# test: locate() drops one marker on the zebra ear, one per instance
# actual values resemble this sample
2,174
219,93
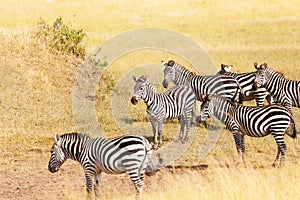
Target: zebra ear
171,63
143,78
56,137
223,67
135,78
164,63
264,65
228,68
255,65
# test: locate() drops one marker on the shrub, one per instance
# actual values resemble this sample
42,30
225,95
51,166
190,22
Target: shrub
62,37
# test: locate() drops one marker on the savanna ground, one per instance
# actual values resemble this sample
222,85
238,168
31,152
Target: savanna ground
36,95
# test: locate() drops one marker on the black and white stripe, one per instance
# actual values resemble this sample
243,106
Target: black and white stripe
284,91
130,154
177,102
225,86
254,121
246,81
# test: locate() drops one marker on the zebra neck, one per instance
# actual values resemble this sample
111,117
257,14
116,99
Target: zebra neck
182,76
275,86
150,98
75,149
221,111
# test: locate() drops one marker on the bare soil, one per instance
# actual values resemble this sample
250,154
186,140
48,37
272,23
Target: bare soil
24,175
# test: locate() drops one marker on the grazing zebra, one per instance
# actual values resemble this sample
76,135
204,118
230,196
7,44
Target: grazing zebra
178,102
129,154
254,121
284,91
246,81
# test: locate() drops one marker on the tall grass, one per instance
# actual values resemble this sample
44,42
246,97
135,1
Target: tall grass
36,91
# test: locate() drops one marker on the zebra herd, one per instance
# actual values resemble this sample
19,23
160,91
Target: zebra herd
221,96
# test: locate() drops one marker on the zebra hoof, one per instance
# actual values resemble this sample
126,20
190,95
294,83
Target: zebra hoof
185,141
273,165
154,146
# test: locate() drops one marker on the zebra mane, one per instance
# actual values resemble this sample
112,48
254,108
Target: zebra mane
151,86
272,70
222,98
278,72
74,135
183,69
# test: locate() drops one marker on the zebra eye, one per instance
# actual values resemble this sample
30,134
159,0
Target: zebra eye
141,88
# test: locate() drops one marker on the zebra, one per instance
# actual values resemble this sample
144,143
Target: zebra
223,85
130,153
246,81
176,102
284,91
254,121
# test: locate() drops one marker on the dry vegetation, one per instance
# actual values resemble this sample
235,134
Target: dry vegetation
36,95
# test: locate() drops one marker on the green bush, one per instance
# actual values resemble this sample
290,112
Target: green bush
62,37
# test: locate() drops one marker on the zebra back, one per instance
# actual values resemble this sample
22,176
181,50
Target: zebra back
222,85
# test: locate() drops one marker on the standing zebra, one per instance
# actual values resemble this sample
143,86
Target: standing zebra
178,102
129,154
223,85
246,81
254,121
284,91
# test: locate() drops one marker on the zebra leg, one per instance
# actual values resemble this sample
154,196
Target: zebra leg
97,185
188,116
269,99
137,180
277,157
240,146
282,152
279,138
160,125
154,125
181,121
243,148
194,115
89,184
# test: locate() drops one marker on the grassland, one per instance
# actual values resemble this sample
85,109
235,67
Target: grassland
36,95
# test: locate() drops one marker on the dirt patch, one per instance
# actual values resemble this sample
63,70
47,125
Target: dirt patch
24,175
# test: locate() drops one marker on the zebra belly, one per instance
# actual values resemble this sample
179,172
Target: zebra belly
121,160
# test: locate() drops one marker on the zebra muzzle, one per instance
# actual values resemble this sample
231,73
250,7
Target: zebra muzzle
199,121
53,169
133,100
165,84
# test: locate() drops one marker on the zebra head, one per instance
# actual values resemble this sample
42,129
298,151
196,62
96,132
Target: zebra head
139,90
169,73
57,157
205,110
225,69
260,78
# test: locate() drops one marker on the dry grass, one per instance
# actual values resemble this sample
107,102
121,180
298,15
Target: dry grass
36,95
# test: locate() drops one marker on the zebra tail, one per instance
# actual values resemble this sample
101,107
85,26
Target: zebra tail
238,96
151,168
295,132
